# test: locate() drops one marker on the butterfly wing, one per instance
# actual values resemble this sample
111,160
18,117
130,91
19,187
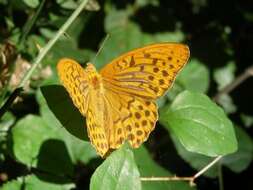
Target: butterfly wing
146,72
133,119
132,83
74,80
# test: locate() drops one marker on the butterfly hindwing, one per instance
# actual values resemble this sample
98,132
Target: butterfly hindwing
133,119
97,134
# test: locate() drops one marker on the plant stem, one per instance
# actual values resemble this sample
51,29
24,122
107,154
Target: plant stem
238,80
220,177
190,179
49,45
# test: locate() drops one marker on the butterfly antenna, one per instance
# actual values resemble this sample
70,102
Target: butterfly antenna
101,47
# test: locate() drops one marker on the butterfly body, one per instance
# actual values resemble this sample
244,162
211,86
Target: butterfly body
119,101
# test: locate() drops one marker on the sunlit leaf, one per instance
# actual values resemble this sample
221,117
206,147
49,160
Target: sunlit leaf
31,182
199,124
117,172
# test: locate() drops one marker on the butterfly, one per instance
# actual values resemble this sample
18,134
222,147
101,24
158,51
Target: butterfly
119,101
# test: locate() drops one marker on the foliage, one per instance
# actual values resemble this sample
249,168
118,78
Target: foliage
43,140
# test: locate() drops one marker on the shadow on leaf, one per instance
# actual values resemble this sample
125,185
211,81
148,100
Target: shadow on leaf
61,105
54,162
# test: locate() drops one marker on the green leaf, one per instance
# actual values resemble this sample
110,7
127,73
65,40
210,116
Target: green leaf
31,182
247,120
116,19
194,77
92,5
143,3
237,161
32,3
227,103
195,160
242,158
47,147
68,49
149,168
36,144
118,172
225,75
58,111
199,124
6,121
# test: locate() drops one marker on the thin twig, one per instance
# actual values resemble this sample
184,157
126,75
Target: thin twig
238,80
203,170
190,179
172,178
220,177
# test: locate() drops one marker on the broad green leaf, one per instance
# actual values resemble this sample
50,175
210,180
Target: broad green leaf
31,182
36,144
194,77
242,158
48,147
117,172
225,75
237,161
32,3
148,168
199,124
195,160
174,91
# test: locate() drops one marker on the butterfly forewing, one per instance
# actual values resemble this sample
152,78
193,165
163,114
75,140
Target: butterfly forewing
146,72
74,79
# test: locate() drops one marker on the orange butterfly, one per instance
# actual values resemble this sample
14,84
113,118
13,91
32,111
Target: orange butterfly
119,101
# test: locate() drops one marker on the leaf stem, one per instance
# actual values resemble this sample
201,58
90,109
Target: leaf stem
190,179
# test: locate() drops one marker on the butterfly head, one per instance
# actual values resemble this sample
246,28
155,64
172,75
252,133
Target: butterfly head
94,77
